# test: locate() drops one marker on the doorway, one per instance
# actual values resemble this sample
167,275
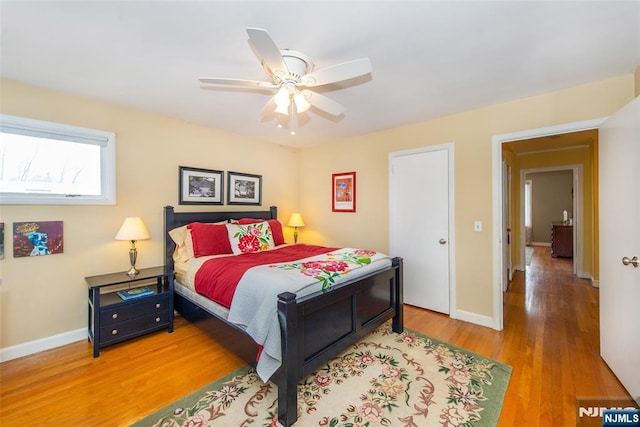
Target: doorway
554,192
542,141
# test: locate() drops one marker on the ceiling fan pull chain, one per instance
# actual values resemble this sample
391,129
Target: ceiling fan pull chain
293,119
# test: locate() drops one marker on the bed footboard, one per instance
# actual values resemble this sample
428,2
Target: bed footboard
318,327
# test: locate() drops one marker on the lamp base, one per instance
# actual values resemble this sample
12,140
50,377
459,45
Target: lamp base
133,255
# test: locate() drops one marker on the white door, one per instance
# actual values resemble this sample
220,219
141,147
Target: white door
619,187
419,186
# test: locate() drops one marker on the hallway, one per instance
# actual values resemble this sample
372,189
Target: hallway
554,317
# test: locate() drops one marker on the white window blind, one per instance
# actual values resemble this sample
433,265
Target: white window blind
51,163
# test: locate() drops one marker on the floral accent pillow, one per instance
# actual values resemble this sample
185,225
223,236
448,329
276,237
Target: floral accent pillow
276,228
250,238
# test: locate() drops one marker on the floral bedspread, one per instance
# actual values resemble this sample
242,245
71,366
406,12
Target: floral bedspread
254,305
217,278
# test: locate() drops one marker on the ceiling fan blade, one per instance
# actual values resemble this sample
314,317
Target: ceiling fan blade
335,73
323,103
270,55
238,82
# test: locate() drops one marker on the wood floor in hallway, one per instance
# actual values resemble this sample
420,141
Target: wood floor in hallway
550,339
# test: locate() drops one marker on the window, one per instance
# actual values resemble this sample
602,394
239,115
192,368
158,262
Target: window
528,191
55,164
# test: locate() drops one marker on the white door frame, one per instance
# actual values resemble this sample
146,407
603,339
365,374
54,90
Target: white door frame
451,194
507,232
497,184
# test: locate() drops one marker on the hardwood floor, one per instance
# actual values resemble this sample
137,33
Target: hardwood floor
550,339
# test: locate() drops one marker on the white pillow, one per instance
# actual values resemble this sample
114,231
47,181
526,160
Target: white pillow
250,238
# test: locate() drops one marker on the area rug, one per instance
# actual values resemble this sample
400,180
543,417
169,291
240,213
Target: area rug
386,379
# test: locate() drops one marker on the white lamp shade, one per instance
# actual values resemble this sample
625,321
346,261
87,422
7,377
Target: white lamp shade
281,109
282,101
296,220
133,229
302,104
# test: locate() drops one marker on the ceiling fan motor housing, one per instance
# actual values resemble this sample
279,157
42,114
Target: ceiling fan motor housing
298,64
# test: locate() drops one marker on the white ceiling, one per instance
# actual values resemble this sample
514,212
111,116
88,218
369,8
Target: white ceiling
430,58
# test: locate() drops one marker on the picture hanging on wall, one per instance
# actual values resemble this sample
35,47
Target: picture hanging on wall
343,192
244,189
200,186
37,238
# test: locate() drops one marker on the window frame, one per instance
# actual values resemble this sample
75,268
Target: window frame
64,132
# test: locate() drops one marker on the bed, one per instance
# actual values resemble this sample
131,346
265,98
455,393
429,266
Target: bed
314,325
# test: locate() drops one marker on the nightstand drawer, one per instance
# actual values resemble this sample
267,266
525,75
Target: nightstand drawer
122,312
136,326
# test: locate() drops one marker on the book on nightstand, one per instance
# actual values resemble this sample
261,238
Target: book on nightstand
132,293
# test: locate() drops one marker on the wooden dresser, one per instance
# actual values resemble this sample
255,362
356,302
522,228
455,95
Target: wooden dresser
561,240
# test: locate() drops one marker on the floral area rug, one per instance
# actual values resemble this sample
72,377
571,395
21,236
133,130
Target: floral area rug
386,379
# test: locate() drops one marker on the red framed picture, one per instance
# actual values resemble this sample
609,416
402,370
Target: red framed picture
343,192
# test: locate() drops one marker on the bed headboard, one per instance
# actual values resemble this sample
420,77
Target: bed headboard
173,219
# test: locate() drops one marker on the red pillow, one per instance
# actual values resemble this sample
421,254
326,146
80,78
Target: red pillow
274,224
209,239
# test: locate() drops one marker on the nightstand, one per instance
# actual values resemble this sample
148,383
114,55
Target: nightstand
113,320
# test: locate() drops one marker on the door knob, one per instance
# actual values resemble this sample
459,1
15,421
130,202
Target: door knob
442,241
633,261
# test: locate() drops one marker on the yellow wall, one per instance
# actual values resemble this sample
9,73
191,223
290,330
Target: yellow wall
46,296
472,133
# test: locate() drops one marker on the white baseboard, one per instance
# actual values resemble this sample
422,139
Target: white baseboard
42,344
548,244
595,283
476,318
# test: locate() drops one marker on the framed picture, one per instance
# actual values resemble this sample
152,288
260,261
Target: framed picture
37,238
200,186
244,189
1,240
343,192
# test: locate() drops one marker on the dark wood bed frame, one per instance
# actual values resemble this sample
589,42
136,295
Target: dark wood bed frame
314,329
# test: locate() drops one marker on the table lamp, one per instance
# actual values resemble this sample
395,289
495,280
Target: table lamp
133,229
295,221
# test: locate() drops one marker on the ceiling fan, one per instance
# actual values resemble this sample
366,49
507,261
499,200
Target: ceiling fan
292,74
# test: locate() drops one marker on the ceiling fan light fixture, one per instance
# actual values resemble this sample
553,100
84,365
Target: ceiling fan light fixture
282,101
282,109
301,102
293,76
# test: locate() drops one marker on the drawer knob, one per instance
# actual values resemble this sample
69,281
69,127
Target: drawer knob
157,320
114,332
114,316
158,305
